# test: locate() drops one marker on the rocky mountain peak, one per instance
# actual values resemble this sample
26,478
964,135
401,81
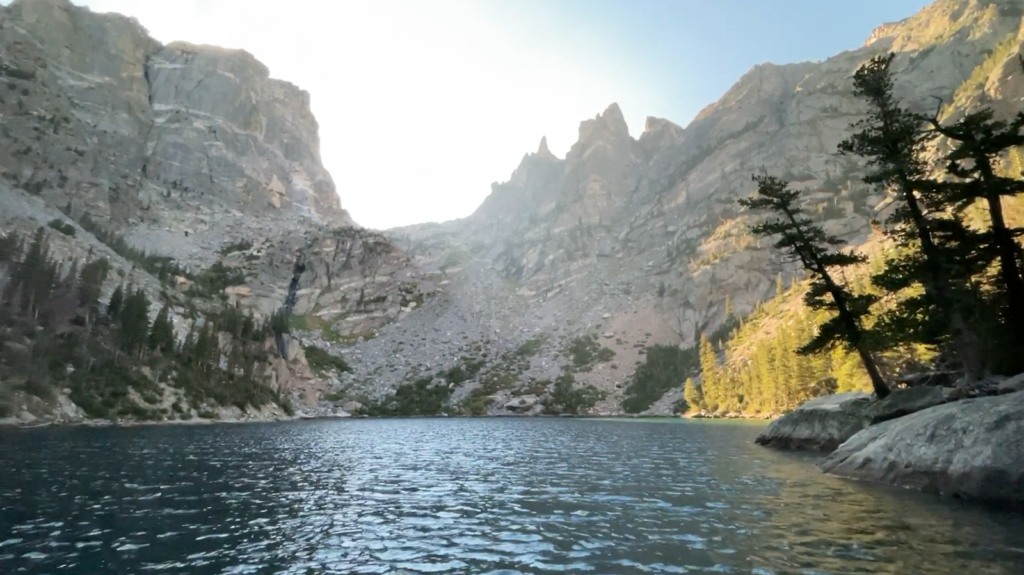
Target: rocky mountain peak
543,150
610,124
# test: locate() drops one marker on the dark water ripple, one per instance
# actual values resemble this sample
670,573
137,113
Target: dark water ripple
465,496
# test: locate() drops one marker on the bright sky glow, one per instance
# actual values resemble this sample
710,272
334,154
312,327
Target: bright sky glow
423,103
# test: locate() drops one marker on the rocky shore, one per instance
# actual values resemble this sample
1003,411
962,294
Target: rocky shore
932,439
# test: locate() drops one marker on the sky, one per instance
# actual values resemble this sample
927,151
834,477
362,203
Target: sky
422,104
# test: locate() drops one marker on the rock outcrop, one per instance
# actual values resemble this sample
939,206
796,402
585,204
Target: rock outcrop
196,154
99,116
970,449
821,424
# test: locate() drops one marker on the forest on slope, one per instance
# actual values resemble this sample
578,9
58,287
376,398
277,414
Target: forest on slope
938,291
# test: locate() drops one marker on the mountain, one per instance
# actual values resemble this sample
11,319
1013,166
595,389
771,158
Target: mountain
641,241
144,153
550,296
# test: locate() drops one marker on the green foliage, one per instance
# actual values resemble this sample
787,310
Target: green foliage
568,399
215,279
585,352
62,227
112,362
479,399
692,394
419,398
531,347
803,240
163,268
239,246
321,360
666,366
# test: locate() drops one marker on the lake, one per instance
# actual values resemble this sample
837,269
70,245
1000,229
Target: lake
466,496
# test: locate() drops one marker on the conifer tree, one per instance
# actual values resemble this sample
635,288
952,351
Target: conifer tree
893,139
693,396
808,243
709,381
134,323
161,334
980,141
90,282
116,302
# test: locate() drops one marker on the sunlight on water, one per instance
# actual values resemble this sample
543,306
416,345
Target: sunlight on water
466,496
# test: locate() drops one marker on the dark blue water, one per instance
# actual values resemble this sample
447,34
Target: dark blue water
465,496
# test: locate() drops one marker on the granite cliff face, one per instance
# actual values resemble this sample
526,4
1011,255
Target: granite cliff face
190,152
100,115
195,153
640,240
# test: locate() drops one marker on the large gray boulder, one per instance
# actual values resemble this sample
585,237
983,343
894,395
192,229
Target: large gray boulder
904,402
821,424
970,448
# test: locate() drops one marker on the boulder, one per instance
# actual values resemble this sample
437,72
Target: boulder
821,424
521,404
971,449
1012,385
26,418
352,406
904,402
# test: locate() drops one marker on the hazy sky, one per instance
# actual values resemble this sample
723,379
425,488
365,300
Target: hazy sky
423,103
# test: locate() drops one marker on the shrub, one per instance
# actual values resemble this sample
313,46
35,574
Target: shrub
321,360
530,347
585,351
62,227
566,398
239,246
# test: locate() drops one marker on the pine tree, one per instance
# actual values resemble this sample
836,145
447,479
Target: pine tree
90,282
134,323
893,139
979,143
116,302
692,394
808,243
161,334
709,383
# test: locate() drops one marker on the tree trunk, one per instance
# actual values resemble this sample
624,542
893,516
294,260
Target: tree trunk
969,345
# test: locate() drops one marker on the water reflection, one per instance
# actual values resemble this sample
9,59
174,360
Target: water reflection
465,496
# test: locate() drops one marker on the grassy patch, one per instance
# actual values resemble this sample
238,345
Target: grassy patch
531,347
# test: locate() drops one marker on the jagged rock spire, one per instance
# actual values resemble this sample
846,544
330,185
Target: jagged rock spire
543,150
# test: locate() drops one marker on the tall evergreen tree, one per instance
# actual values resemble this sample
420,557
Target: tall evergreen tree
892,139
807,242
134,323
710,383
116,303
980,141
90,282
161,334
692,394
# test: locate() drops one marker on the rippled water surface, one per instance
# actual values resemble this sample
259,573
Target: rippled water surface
465,496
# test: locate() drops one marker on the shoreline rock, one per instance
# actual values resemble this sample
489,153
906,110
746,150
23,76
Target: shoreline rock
821,424
970,449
